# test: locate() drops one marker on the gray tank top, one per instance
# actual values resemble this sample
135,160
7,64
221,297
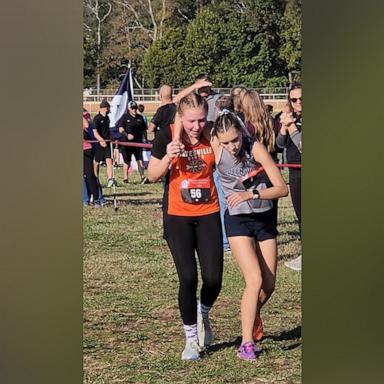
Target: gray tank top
230,173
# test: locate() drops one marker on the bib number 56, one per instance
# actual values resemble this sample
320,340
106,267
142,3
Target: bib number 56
195,193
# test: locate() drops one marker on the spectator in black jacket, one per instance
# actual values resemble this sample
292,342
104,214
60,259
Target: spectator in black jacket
103,135
289,138
132,129
165,114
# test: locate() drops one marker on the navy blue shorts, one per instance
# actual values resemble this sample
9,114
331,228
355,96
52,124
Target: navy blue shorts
260,226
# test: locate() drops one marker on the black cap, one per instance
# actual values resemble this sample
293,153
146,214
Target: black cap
132,104
104,104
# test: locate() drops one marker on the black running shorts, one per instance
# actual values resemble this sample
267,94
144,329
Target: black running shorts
127,153
260,226
102,153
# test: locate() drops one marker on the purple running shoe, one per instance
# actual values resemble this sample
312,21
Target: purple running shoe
247,351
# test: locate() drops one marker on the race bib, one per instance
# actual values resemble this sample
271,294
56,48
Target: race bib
196,191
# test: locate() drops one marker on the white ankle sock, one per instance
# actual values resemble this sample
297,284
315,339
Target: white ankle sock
191,332
204,310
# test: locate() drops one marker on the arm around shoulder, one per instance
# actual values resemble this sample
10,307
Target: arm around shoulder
192,88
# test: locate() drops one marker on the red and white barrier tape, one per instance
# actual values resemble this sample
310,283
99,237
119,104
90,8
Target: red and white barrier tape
145,145
261,169
123,143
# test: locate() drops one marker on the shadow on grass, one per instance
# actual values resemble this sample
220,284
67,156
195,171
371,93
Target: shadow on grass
288,221
224,345
293,334
293,233
288,257
291,346
293,236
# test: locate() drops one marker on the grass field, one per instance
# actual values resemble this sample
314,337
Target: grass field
132,328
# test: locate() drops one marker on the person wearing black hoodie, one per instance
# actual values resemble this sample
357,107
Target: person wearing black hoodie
289,138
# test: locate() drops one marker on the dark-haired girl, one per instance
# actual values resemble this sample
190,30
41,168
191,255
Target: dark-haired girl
249,219
289,138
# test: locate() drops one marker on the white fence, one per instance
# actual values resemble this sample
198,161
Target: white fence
152,94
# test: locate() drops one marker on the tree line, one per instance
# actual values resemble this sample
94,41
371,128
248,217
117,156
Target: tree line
256,43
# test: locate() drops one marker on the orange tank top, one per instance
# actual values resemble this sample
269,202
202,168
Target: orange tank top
192,191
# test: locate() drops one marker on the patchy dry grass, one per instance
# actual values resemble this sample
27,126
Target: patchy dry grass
132,327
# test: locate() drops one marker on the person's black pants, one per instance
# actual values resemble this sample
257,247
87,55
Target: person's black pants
89,172
295,191
184,235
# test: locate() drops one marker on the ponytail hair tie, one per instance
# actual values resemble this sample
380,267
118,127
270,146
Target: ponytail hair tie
224,112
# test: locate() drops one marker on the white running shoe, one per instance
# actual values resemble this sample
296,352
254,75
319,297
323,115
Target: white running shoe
204,331
191,350
294,264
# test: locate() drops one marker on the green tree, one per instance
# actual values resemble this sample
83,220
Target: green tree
263,18
133,27
235,46
163,63
252,42
89,66
290,32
